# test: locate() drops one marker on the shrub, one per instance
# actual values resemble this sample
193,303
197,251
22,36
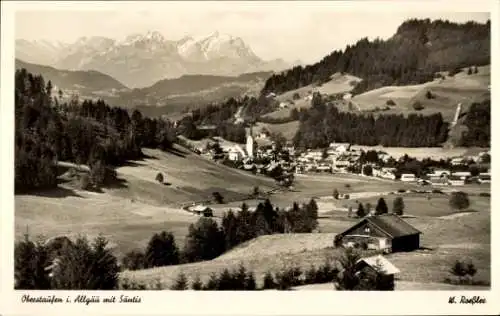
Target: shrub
390,102
296,96
417,106
429,95
218,198
134,260
485,194
401,191
159,177
127,284
459,200
336,194
347,185
437,191
346,196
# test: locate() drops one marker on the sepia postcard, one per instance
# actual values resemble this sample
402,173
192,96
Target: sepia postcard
248,157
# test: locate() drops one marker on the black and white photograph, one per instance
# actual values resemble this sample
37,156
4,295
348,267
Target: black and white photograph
244,146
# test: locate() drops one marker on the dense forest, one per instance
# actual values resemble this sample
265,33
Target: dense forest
323,124
478,123
87,132
418,50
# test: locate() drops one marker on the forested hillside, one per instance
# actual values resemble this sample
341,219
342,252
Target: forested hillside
324,123
418,50
93,133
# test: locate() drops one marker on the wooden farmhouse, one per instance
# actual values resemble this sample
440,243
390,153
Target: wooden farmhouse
387,232
385,270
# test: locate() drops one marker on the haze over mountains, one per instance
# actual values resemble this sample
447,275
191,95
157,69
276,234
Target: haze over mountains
140,60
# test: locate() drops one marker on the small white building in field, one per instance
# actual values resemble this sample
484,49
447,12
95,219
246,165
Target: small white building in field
461,175
408,177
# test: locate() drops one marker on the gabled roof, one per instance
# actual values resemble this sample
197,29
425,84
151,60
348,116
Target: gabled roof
390,224
380,262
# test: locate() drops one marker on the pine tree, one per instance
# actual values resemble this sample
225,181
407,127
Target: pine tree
181,283
161,250
361,211
398,206
381,207
30,261
104,266
197,285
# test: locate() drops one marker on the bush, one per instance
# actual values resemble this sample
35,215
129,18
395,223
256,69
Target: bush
134,260
132,285
368,170
296,96
437,191
346,196
159,177
336,194
459,200
347,186
218,198
390,102
402,191
429,95
417,106
485,194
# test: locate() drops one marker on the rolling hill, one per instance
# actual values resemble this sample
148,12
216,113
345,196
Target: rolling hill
174,96
138,206
87,84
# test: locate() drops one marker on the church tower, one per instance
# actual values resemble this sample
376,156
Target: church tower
250,143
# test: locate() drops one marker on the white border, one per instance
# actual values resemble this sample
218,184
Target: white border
233,303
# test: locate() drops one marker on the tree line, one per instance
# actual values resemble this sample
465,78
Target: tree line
418,50
207,240
323,124
88,132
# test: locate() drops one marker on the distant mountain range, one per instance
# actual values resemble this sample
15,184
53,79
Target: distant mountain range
140,60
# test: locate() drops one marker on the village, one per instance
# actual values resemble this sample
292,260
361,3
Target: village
262,155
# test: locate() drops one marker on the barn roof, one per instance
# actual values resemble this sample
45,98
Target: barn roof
390,224
380,262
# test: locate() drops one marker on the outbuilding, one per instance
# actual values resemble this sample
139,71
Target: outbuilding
387,232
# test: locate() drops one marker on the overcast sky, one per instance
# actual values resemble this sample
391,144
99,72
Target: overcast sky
288,30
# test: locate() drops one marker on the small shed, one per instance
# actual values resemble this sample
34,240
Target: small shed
385,270
202,210
387,232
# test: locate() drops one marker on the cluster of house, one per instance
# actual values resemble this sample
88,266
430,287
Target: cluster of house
337,157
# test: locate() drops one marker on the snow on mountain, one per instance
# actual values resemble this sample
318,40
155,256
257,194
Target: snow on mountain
142,59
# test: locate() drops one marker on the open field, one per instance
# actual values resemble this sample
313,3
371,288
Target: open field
287,129
461,88
444,240
130,213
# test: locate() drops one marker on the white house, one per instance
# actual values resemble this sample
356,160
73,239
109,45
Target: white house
347,96
455,181
408,177
461,175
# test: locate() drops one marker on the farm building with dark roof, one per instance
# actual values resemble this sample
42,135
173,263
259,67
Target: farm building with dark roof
387,232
